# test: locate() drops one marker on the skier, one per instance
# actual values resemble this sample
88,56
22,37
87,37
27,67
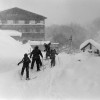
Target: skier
35,54
52,56
47,49
25,62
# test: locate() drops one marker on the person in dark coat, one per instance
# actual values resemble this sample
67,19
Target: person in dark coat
26,60
52,57
35,54
47,49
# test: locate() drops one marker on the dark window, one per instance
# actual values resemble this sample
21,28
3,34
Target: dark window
15,21
26,22
37,21
4,22
27,30
37,29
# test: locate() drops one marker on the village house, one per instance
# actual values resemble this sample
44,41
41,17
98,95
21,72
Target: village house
90,46
31,25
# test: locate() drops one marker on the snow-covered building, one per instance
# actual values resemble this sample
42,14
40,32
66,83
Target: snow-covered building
90,46
31,25
41,44
38,42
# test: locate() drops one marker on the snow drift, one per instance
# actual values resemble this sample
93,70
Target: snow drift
10,33
10,51
78,79
75,77
11,47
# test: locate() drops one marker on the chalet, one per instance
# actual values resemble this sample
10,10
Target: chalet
90,46
31,25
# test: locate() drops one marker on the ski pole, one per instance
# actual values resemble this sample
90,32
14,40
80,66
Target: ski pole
43,64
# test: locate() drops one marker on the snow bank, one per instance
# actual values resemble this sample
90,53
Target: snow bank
38,42
11,47
10,33
80,78
75,77
11,52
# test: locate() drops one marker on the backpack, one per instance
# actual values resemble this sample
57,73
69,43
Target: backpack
27,60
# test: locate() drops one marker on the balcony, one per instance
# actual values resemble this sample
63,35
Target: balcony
22,22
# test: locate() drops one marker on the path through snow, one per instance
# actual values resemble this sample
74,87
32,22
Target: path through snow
74,77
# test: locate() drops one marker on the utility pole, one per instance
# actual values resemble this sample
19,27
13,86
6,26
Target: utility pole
70,43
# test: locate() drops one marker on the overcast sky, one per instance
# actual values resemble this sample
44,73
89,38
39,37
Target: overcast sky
58,11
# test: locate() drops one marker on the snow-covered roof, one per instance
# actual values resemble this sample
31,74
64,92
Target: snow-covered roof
10,33
19,14
97,45
55,43
38,42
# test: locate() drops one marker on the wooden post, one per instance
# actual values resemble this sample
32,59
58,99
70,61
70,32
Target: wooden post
90,46
70,40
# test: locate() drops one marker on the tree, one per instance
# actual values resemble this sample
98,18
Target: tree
60,38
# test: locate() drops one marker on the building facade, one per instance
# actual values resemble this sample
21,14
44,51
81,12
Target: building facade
31,25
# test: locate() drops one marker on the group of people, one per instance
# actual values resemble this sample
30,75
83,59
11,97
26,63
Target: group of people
35,55
50,53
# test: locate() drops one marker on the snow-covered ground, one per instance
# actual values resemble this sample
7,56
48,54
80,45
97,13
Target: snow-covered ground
75,76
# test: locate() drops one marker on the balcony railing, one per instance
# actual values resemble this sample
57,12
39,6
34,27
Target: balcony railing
21,24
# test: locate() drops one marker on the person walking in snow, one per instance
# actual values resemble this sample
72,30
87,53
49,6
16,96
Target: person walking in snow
26,60
47,49
35,54
52,57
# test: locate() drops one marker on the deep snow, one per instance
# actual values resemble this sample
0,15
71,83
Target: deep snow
75,76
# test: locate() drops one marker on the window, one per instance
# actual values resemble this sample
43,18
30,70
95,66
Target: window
20,30
9,21
21,22
37,21
32,22
26,22
32,30
37,30
4,22
15,22
27,30
42,21
42,30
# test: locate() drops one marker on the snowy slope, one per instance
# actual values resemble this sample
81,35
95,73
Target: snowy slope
79,79
75,77
11,51
10,47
